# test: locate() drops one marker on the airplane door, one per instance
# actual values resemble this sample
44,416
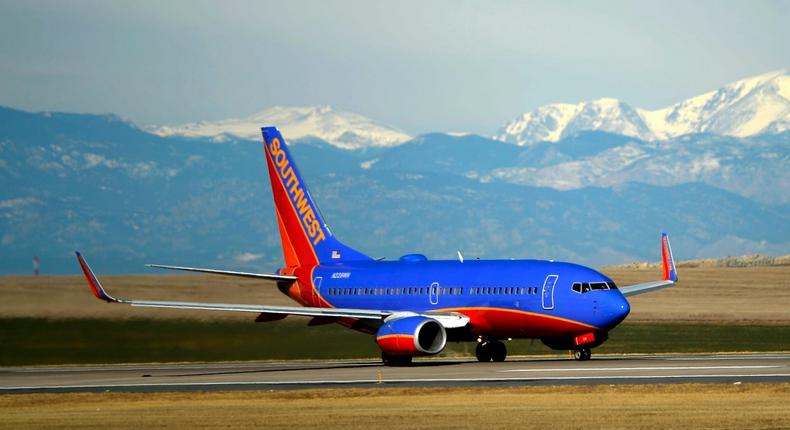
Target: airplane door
316,289
547,293
433,293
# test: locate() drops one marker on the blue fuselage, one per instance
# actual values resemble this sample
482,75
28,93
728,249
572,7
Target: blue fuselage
503,298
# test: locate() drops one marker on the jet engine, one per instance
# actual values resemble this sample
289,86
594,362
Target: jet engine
411,335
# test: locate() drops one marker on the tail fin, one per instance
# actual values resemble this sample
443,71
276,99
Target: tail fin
306,239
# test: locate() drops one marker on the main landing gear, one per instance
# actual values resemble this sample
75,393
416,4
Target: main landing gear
491,350
582,354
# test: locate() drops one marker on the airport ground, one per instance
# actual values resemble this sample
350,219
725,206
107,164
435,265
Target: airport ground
43,320
716,295
55,320
709,406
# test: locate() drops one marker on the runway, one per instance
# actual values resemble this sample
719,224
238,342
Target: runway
611,369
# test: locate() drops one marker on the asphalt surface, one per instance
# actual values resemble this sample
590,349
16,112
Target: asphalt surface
613,369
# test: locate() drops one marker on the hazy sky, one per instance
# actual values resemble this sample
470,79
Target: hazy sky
421,66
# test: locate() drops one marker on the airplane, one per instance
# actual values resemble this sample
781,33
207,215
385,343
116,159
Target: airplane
414,306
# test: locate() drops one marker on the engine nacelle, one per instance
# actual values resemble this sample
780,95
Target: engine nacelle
411,335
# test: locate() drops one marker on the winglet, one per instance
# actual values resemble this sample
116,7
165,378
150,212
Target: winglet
670,273
93,282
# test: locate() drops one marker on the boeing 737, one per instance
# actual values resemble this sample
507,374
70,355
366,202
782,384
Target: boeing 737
414,306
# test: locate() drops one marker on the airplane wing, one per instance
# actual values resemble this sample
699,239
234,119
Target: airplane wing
670,273
269,276
447,319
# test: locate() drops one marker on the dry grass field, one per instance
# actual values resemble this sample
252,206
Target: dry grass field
752,406
704,295
69,297
729,295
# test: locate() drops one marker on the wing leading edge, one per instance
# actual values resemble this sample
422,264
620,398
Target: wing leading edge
670,277
447,319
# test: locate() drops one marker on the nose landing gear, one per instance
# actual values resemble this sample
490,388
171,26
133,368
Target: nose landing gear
491,350
582,354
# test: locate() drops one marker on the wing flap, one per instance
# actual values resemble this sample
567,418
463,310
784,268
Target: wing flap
265,309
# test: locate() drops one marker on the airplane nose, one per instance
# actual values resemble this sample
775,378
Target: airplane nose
616,309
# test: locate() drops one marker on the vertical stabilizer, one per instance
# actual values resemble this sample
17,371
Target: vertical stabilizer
306,238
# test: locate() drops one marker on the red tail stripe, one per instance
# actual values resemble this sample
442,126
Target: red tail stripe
290,219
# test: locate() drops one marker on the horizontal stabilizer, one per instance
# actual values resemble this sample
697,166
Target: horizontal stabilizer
269,276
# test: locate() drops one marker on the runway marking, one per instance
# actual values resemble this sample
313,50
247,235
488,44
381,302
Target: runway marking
604,369
730,357
177,367
243,365
386,381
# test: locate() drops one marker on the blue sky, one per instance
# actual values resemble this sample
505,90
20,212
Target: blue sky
421,66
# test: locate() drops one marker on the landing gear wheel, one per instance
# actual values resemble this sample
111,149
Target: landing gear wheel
483,351
489,350
582,354
498,351
395,360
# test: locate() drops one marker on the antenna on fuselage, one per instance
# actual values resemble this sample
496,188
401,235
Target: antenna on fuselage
460,256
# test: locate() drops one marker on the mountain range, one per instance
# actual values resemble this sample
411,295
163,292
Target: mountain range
342,129
752,106
127,194
748,107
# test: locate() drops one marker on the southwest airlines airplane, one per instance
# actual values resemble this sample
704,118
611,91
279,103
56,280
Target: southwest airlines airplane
414,306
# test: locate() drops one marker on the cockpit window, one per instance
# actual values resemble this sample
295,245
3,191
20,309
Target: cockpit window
583,287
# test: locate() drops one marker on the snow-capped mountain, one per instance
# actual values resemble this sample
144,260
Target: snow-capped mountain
343,129
756,167
760,104
127,197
